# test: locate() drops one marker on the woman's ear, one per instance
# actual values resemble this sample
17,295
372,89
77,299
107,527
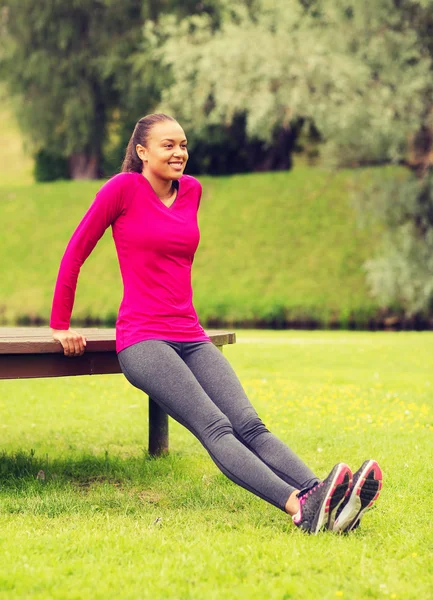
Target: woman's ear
141,152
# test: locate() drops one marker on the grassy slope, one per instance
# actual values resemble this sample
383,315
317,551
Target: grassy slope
281,240
90,530
269,240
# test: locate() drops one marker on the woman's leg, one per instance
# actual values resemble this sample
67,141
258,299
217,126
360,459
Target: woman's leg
216,376
156,368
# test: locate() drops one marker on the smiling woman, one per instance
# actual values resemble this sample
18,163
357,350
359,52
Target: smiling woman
164,351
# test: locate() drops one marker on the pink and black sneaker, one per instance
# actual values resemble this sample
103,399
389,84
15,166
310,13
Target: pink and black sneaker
366,486
319,504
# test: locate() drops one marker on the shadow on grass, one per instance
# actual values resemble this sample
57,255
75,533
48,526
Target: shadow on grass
31,484
17,469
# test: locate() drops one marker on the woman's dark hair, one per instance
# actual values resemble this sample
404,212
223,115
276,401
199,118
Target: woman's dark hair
140,135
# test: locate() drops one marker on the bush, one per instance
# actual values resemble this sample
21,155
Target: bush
49,167
401,273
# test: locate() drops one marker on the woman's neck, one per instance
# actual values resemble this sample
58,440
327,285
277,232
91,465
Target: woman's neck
162,188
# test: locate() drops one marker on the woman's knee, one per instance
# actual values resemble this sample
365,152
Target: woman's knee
250,429
216,428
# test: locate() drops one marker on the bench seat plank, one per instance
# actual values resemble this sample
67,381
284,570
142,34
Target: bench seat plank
38,340
32,352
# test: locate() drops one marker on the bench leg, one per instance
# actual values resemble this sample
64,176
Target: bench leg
158,429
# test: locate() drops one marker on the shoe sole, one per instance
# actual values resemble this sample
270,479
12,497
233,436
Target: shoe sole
362,497
338,488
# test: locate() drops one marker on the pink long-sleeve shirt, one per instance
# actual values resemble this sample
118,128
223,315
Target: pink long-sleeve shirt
155,246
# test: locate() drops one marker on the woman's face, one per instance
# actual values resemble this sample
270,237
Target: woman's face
165,154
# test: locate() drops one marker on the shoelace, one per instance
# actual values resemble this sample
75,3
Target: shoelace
303,495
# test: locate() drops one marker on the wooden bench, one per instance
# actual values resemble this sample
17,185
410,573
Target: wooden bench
31,352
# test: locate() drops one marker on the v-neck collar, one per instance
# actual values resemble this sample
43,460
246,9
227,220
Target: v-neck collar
176,184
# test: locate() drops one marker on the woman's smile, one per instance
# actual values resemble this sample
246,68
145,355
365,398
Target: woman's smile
177,165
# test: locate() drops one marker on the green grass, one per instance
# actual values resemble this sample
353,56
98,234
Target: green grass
283,246
110,522
274,247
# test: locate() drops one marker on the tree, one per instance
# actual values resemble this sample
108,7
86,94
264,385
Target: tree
60,61
401,273
72,70
140,79
357,70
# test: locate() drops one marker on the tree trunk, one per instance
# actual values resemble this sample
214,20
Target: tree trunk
84,166
279,157
420,158
87,163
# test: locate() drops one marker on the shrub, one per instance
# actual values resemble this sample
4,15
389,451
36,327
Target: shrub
49,167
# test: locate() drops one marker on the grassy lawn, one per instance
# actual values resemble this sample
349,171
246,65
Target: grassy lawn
109,522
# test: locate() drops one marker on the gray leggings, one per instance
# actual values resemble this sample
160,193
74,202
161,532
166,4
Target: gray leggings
194,383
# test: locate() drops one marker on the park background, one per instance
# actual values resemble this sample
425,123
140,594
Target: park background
310,128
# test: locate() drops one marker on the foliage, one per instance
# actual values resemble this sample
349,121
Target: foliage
402,272
60,61
227,149
72,69
49,167
357,69
139,78
255,72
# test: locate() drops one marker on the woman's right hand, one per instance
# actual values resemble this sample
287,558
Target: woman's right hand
73,342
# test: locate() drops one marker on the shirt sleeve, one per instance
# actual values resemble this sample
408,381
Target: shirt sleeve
104,210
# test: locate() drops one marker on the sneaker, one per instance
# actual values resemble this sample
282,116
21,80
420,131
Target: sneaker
367,483
319,504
